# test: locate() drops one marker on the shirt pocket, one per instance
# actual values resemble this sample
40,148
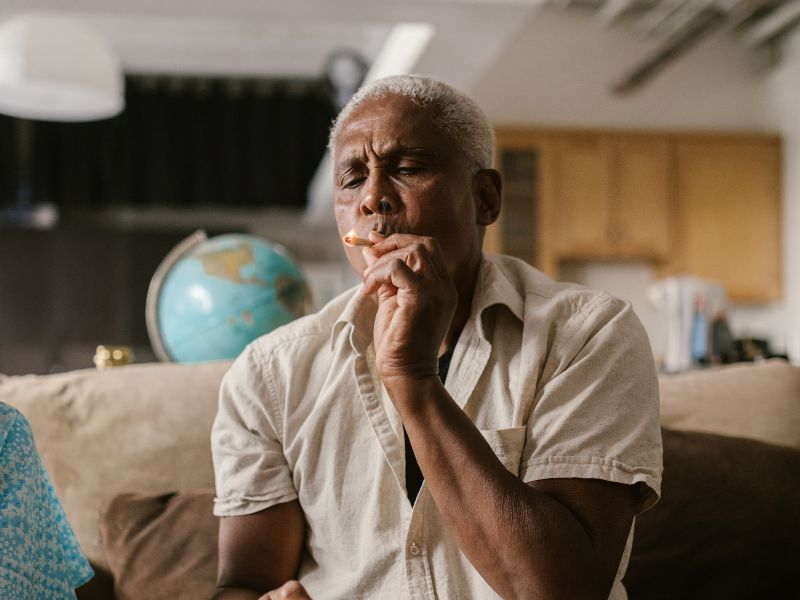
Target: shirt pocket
507,444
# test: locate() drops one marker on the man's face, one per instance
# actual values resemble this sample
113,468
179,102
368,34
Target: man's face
395,173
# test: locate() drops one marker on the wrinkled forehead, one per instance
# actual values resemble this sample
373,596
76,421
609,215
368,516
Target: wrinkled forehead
388,121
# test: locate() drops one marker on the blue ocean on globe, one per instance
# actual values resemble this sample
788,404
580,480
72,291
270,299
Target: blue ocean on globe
223,293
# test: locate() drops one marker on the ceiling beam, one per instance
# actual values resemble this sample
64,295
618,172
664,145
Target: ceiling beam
659,14
686,14
774,24
678,44
744,10
612,11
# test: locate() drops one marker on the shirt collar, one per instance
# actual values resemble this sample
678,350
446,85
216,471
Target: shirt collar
357,318
495,288
492,288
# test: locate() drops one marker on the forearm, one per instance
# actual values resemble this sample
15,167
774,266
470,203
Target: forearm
249,557
522,541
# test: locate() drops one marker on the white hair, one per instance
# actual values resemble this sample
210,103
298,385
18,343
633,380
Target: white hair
454,113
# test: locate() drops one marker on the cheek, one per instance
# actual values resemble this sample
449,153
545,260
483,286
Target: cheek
437,214
346,215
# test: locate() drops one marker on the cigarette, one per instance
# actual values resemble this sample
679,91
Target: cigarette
351,239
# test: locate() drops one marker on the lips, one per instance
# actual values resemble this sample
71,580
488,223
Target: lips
386,228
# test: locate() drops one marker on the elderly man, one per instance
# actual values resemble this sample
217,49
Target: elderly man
459,426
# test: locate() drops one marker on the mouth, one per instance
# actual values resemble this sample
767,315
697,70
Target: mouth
359,237
385,228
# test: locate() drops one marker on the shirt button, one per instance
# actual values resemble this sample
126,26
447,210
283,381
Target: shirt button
414,549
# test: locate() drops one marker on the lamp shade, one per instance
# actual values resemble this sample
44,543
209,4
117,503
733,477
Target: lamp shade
54,68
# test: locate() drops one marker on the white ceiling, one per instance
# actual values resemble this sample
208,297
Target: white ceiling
291,38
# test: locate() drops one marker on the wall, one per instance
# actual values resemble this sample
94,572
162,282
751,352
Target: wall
558,73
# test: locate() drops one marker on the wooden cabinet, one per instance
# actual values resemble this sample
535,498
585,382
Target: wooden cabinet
643,197
613,199
583,187
707,205
729,213
526,227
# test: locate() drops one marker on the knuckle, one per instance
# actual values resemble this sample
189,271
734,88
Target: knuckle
292,587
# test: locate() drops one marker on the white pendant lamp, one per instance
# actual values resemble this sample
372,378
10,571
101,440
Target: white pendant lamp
54,68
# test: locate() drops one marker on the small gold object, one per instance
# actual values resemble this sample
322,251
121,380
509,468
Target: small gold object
112,356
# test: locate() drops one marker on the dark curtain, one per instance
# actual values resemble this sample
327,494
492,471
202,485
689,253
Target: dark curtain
179,142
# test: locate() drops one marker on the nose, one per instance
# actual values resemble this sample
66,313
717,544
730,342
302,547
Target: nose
378,196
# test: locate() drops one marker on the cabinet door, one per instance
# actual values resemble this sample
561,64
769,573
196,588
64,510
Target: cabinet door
524,229
520,222
729,203
642,205
583,167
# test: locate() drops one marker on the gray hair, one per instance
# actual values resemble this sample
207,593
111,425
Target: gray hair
455,113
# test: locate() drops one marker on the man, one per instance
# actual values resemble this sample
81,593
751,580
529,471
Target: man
460,426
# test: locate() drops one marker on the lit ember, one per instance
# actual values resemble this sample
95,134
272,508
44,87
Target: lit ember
351,239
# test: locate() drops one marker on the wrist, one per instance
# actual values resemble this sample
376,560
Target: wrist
410,392
403,370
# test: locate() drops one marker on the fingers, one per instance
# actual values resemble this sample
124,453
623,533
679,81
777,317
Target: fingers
404,245
408,266
291,590
394,274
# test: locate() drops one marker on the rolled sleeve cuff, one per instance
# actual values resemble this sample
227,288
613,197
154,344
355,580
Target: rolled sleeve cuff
595,467
239,506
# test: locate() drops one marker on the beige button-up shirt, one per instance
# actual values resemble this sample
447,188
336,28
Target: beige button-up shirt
558,378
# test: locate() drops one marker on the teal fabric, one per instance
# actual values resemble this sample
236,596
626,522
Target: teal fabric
39,555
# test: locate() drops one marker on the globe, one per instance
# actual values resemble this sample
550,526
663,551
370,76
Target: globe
209,298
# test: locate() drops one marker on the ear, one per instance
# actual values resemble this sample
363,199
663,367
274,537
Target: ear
488,192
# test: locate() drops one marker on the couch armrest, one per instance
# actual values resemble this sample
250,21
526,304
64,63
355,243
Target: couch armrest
759,401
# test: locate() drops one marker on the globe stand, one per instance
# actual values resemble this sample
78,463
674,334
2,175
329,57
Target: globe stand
154,291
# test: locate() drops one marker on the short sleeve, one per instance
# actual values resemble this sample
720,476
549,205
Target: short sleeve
250,469
598,415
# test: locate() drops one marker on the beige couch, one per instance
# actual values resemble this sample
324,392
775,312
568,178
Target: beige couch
145,429
140,428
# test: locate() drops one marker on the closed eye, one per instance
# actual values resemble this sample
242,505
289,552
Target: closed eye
353,183
408,170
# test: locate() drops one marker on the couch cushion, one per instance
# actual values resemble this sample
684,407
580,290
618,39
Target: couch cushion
140,428
162,547
727,525
759,401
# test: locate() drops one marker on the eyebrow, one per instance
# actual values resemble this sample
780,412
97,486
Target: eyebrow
398,150
419,151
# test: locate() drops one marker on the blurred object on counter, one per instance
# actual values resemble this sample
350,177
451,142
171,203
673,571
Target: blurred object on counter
752,349
699,329
723,347
693,310
793,348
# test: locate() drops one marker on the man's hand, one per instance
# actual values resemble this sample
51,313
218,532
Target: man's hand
291,590
416,302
